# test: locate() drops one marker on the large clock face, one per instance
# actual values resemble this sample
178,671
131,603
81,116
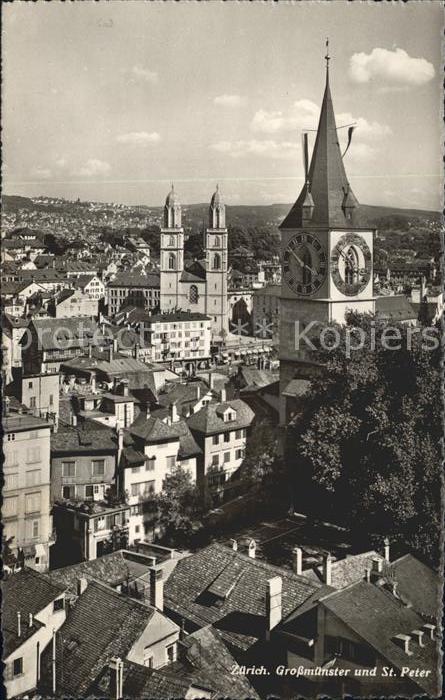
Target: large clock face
351,263
304,264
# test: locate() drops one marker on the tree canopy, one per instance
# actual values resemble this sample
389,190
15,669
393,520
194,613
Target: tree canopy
368,444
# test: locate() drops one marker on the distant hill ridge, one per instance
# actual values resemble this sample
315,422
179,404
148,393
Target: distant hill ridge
261,214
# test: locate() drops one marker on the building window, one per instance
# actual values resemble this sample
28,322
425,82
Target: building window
17,666
238,434
148,661
226,457
171,461
193,294
29,385
33,455
171,261
215,460
216,262
89,491
98,467
68,468
171,240
11,436
137,529
35,528
32,502
58,604
215,439
69,492
9,506
239,454
33,477
32,402
135,470
171,653
51,399
226,437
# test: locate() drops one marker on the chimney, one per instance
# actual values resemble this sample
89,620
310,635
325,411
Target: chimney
82,584
6,405
234,545
115,345
116,678
252,549
110,353
377,565
90,351
394,585
402,641
174,417
19,624
93,381
124,386
198,391
73,420
31,620
429,629
136,351
417,636
368,575
223,394
156,589
273,602
327,569
298,560
386,549
212,381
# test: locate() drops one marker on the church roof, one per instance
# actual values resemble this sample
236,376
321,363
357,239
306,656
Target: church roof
327,184
195,272
216,198
172,198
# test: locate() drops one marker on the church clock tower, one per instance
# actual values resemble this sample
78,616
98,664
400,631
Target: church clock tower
327,256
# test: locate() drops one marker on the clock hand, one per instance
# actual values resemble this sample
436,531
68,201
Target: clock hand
297,258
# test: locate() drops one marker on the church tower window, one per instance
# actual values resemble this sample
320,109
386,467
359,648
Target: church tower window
216,262
193,294
171,261
171,240
217,242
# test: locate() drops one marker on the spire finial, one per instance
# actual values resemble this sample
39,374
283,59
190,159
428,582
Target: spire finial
217,186
327,58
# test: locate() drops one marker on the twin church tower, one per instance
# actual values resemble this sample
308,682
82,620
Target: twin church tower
202,285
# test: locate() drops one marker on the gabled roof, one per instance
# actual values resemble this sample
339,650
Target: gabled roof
123,279
377,616
152,430
27,592
418,584
395,308
209,419
346,571
327,181
184,395
191,592
88,437
103,624
205,662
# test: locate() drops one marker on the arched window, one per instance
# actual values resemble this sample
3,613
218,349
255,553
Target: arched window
216,262
171,261
307,260
351,266
216,242
193,294
171,240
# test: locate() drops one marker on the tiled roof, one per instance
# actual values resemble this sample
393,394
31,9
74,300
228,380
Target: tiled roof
418,584
377,617
208,421
103,624
137,281
78,330
184,394
87,437
19,422
187,444
27,592
297,387
205,662
191,592
394,308
152,430
111,569
346,571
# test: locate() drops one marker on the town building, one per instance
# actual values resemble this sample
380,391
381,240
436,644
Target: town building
33,610
266,312
220,429
40,393
133,290
201,286
69,303
91,285
26,491
180,338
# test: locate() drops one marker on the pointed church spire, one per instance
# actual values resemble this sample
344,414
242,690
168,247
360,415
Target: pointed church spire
326,181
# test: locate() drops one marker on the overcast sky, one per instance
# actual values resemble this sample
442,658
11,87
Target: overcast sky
112,101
